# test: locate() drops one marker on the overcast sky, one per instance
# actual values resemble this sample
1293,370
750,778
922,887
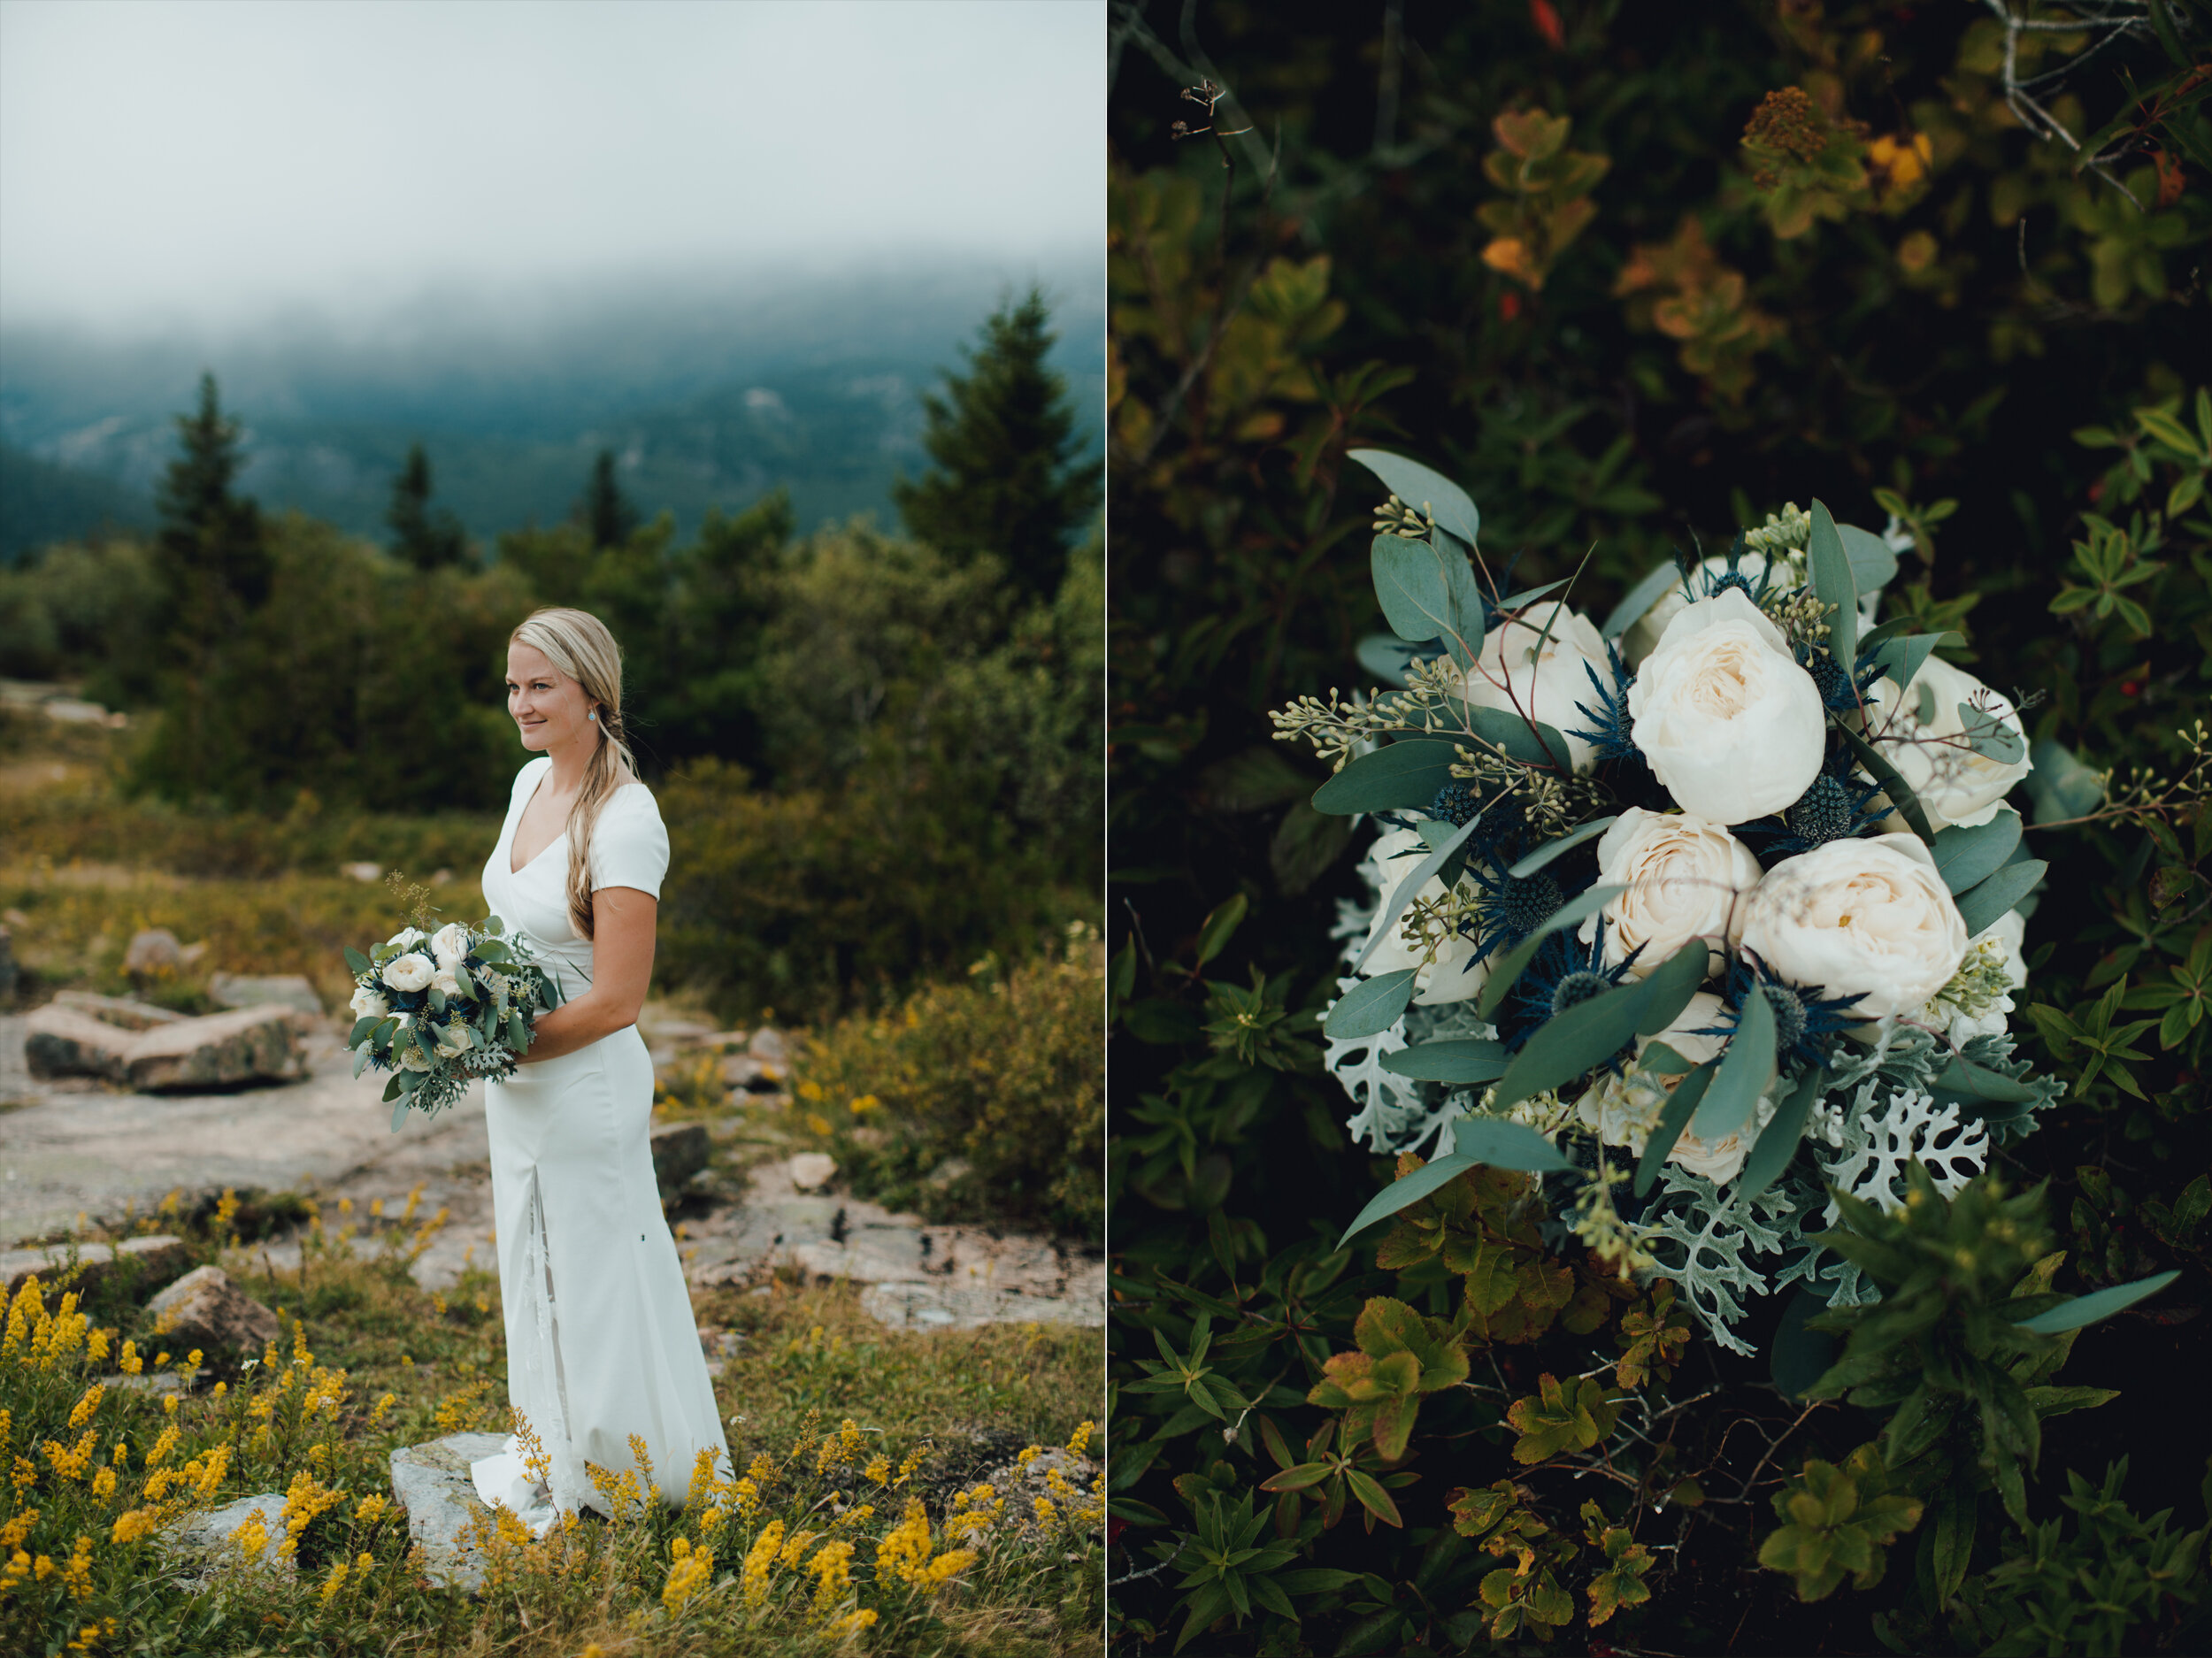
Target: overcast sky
189,161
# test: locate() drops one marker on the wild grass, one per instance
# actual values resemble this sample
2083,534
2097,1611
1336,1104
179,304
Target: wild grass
856,1522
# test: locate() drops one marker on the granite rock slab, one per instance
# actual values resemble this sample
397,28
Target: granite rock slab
157,1259
432,1483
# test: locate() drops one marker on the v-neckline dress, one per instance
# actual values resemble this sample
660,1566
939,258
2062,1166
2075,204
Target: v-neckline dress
601,1342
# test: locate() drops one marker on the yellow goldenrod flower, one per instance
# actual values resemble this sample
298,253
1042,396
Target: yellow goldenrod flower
382,1405
251,1535
1080,1441
797,1546
760,1566
694,1571
336,1581
371,1509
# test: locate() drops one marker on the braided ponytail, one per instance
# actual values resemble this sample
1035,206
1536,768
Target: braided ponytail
578,643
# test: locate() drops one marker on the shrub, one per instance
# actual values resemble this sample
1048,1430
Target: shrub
975,1100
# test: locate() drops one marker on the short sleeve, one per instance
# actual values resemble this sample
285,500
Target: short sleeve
629,845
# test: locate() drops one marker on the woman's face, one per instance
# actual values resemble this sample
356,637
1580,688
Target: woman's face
548,708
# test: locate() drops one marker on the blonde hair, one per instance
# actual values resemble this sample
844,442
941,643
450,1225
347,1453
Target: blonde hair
579,645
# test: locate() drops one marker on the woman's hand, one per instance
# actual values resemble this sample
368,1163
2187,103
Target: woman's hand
622,920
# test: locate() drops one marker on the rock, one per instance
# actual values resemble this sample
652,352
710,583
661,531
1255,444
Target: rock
964,1306
60,1041
768,1046
123,1014
811,1171
680,1151
204,1540
951,1170
432,1483
206,1309
742,1071
155,1261
362,871
720,1347
155,950
266,990
247,1045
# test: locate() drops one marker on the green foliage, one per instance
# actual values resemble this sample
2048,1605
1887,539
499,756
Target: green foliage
426,539
1402,1355
1006,445
2099,1586
973,1100
1577,1415
1838,1521
1548,194
602,511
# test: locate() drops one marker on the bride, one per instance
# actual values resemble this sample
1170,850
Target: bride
601,1345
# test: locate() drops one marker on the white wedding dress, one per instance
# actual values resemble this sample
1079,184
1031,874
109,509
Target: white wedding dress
599,1339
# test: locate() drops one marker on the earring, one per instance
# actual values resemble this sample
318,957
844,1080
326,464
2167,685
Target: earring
592,715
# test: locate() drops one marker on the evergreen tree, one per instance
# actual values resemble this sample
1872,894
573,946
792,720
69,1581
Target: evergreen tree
604,511
1004,439
214,559
424,540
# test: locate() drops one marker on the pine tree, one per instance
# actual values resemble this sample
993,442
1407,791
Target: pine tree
213,557
603,510
424,540
1004,440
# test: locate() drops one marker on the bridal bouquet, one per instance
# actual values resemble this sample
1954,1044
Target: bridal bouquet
1701,915
441,1010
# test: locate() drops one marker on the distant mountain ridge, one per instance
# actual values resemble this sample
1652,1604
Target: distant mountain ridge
708,397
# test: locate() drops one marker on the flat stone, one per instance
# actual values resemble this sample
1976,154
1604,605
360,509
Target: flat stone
264,990
432,1483
153,950
61,1041
204,1540
119,1011
768,1046
680,1151
157,1260
206,1309
245,1044
812,1169
958,1306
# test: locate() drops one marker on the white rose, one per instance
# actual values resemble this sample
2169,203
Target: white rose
444,983
1730,723
369,1002
1623,1110
407,938
1643,638
410,971
411,1058
1522,670
1855,916
453,1038
1393,856
1954,784
1686,879
449,943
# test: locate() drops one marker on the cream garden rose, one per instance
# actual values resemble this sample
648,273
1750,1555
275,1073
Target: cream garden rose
369,1004
1685,880
1731,725
1954,784
453,1038
408,972
1449,978
407,938
444,982
1867,915
1623,1110
449,944
1538,665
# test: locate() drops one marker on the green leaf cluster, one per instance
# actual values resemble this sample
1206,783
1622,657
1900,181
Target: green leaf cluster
1838,1521
1402,1355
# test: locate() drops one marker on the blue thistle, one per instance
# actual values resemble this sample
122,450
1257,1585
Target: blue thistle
1610,716
1839,692
1565,973
1456,802
1753,587
1806,1023
1834,808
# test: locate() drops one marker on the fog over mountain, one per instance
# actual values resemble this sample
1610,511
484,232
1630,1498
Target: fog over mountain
710,390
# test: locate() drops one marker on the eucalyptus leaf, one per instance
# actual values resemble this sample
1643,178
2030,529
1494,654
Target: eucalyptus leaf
1966,854
1883,772
1529,595
2061,787
1411,586
2087,1310
1636,604
1669,986
361,1061
1403,1193
1687,1095
1460,1060
1400,776
1407,889
1551,850
1746,1070
1980,907
1419,486
1505,1145
1531,741
1830,567
1509,967
1990,734
1873,566
395,1085
1903,657
361,1029
1664,1061
1963,1075
1776,1143
1388,656
1371,1007
355,960
399,1113
1571,1042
